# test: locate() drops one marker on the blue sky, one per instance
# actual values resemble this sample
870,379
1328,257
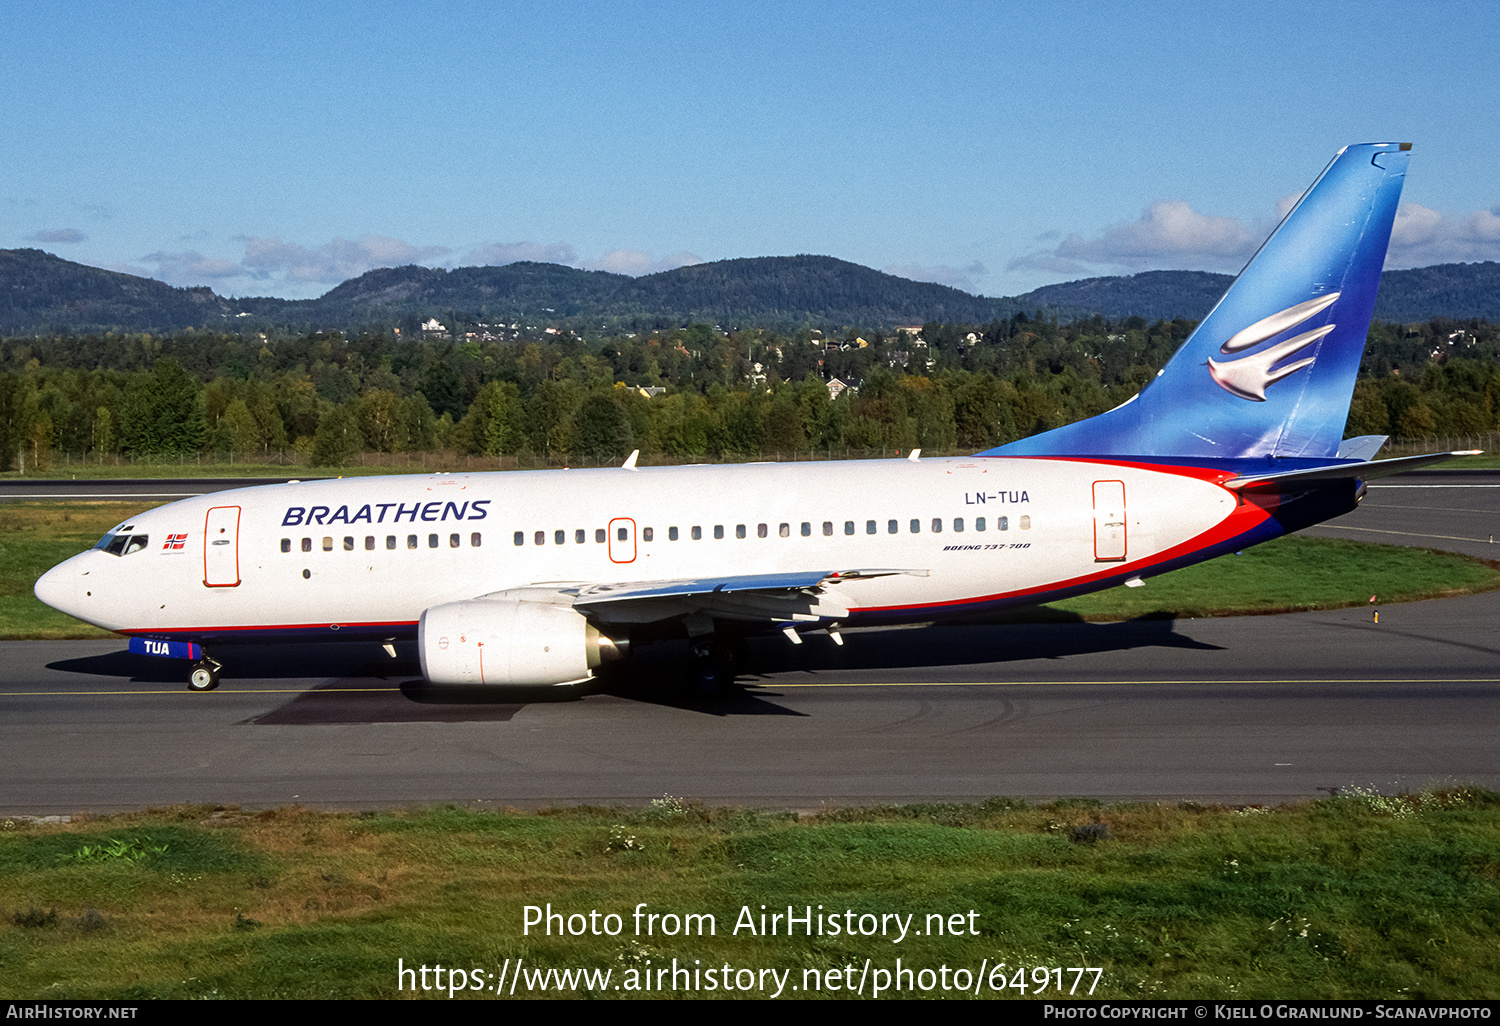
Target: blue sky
278,149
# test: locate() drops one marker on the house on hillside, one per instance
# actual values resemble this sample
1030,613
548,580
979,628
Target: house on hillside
836,388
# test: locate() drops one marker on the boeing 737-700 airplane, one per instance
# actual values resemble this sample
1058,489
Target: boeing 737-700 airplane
538,577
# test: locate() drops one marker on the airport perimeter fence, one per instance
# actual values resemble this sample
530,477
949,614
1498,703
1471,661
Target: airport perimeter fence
1488,441
452,462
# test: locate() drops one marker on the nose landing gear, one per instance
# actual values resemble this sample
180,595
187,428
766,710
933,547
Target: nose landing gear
205,675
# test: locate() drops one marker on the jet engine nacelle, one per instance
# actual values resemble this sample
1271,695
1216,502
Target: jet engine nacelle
507,641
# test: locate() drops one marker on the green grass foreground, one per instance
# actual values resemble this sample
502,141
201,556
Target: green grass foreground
1358,896
1292,574
1285,575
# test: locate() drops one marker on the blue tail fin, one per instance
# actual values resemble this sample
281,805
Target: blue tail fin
1270,370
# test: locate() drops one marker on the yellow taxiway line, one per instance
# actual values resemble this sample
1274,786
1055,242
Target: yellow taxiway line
492,692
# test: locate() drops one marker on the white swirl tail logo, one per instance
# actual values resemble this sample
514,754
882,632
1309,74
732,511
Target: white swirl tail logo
1250,376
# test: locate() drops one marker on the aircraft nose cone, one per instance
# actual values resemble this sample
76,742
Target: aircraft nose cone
58,588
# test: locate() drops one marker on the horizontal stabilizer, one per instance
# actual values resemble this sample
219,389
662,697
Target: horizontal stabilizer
1365,471
1362,447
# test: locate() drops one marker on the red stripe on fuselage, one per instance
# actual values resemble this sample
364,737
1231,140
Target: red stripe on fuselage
263,627
1246,516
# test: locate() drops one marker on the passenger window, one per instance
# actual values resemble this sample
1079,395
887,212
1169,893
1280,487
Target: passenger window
671,534
937,525
892,527
432,541
286,545
327,544
306,544
348,543
520,537
579,536
475,539
599,535
1026,523
869,527
411,540
718,532
453,541
979,523
1002,523
916,527
958,524
827,528
739,530
559,537
622,533
369,543
540,538
697,534
647,533
848,527
761,531
806,529
390,541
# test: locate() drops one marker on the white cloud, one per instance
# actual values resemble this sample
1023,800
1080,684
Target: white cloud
498,254
59,235
1168,234
333,262
636,263
285,268
191,267
965,278
1422,236
1171,234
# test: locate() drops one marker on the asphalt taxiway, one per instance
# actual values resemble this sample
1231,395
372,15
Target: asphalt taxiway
1251,709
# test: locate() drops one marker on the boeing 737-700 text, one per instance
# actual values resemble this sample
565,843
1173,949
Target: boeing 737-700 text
538,577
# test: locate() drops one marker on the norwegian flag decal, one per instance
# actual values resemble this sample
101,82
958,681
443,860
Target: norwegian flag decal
174,541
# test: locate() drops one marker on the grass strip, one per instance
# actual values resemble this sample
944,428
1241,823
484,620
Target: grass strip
1289,575
1357,896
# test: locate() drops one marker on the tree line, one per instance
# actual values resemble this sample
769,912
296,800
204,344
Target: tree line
739,394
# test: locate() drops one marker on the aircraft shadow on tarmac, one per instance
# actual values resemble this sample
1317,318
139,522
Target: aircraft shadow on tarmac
360,684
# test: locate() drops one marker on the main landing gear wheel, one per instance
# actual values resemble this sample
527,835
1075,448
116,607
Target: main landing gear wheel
205,675
719,666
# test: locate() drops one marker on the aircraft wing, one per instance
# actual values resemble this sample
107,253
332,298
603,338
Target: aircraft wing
599,594
797,597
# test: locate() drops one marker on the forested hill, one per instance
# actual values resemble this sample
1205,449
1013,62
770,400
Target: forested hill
42,293
1154,295
816,290
1459,291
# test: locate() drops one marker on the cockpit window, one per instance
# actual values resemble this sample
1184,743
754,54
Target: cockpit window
123,544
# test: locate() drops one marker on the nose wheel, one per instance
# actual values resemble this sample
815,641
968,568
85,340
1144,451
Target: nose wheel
205,675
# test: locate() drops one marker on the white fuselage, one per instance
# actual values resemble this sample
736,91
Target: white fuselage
369,555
